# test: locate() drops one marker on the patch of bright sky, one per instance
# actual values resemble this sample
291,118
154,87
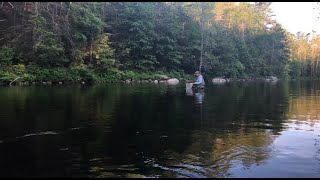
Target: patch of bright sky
297,16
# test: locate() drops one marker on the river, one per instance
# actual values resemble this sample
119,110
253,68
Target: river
241,129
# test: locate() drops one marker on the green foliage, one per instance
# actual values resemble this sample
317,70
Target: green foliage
15,71
136,75
83,72
6,76
111,75
104,54
286,72
110,41
295,69
6,56
18,69
50,53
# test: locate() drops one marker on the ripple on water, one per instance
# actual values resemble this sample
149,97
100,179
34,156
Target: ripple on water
39,134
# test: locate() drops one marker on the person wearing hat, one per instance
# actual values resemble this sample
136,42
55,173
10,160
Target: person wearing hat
199,82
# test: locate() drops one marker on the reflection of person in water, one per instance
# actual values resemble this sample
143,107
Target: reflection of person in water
197,92
199,95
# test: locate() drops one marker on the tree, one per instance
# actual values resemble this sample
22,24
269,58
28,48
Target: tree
203,14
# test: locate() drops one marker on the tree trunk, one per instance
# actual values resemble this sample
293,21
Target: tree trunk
35,27
202,28
91,46
201,51
317,66
14,22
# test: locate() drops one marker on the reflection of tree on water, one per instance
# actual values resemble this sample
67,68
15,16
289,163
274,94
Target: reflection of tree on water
246,104
175,143
213,154
257,112
197,153
305,106
187,150
243,148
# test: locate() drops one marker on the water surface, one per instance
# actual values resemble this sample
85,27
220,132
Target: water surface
251,129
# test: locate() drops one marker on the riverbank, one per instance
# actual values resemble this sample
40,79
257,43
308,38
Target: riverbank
31,75
20,75
150,78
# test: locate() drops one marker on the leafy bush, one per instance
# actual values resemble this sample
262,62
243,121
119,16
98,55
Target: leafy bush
6,56
16,71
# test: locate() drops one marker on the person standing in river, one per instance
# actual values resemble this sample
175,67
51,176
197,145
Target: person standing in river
199,82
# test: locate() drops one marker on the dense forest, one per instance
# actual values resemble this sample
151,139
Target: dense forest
110,41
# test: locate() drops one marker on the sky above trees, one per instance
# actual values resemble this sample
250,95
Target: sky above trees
297,16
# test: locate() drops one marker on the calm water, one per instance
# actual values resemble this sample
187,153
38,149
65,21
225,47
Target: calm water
154,130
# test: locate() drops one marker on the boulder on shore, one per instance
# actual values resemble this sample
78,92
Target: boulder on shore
219,80
271,78
173,81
